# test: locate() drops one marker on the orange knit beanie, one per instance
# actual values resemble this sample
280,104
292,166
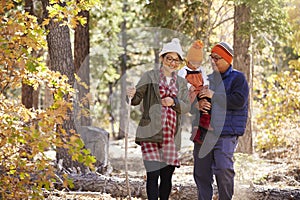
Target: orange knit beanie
224,50
195,53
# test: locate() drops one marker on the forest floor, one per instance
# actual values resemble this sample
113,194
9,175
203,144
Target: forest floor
267,171
263,170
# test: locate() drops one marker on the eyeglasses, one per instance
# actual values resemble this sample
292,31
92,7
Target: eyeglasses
170,59
215,58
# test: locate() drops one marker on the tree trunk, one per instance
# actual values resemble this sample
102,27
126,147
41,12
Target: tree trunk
111,115
61,59
35,98
27,95
123,111
242,62
27,91
81,62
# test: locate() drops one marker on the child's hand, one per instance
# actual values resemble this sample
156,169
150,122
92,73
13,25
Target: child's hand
204,105
192,88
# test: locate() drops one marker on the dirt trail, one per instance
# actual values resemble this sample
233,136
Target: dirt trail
250,170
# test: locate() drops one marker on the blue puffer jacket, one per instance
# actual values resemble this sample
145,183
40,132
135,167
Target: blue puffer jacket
229,103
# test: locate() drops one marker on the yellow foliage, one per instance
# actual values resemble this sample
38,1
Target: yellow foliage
279,106
27,134
68,14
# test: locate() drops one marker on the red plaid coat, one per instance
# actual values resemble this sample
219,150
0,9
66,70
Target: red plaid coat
159,141
165,151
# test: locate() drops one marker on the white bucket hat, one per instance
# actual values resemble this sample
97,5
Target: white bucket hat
173,46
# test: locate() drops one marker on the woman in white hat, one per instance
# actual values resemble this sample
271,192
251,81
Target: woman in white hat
165,98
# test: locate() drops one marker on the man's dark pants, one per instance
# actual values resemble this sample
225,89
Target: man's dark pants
215,157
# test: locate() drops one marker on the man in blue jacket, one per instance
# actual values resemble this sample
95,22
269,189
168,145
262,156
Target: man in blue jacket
228,90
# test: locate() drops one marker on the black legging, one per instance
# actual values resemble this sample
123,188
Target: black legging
154,171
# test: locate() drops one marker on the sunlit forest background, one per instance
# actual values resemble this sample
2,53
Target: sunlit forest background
64,65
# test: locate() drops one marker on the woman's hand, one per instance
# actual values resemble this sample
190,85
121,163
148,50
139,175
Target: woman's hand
167,101
130,91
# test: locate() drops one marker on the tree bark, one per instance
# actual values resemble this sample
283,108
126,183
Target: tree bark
27,95
242,62
27,90
123,111
82,62
117,188
61,59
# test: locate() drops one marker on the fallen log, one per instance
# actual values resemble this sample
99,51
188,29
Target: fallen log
112,185
116,187
276,193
